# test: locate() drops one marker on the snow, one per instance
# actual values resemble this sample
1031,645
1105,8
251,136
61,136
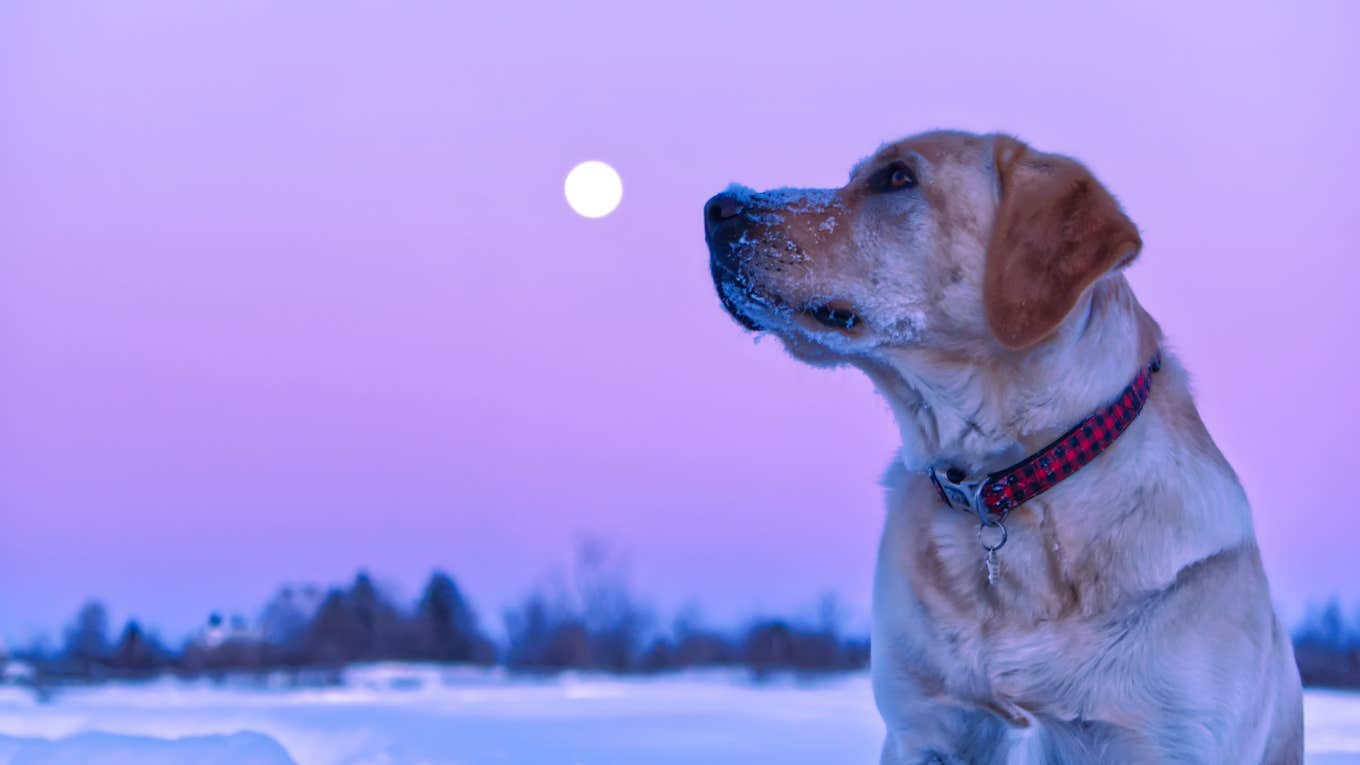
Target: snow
790,199
389,714
112,749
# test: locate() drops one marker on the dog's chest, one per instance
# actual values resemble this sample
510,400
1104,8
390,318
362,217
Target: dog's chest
1004,645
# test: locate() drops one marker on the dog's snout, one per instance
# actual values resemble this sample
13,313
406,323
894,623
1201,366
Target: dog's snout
721,209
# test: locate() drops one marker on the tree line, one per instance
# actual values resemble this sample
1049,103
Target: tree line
1327,647
592,622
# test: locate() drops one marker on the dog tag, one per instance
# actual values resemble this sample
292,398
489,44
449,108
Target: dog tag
990,548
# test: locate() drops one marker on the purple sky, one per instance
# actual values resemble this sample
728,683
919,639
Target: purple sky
290,288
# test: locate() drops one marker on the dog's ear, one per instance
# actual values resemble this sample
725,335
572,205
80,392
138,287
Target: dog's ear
1057,230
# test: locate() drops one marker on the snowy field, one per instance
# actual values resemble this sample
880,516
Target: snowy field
397,714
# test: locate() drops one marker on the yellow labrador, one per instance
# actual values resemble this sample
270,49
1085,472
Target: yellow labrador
1068,571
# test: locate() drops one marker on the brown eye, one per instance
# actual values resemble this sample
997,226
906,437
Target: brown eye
894,177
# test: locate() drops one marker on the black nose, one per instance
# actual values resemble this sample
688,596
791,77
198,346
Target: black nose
719,210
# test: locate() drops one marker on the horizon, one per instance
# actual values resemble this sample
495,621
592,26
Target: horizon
556,583
552,584
287,294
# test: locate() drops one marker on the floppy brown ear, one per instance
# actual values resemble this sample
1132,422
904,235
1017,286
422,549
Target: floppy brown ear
1057,230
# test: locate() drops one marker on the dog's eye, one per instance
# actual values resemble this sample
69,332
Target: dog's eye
894,177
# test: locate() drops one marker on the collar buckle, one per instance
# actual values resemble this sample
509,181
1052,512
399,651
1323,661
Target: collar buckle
962,495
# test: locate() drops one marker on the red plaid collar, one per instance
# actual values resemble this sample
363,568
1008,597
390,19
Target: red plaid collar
1001,492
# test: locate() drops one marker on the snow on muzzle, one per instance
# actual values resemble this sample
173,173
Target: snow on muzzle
758,253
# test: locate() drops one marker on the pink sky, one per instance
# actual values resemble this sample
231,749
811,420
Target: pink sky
290,288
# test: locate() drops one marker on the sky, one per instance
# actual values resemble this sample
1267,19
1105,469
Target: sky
289,289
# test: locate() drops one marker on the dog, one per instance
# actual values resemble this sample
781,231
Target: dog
1068,571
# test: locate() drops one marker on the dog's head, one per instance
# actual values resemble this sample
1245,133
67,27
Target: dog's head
942,240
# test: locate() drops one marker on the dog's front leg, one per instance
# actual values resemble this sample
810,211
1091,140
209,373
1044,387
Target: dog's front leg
894,754
948,736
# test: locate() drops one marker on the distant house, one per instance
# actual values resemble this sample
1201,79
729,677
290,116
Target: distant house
15,672
219,631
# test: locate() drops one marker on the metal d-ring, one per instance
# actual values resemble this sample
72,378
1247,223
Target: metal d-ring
992,525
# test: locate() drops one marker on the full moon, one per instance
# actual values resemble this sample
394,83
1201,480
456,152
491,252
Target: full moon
593,189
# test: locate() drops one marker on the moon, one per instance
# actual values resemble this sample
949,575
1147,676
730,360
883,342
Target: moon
593,189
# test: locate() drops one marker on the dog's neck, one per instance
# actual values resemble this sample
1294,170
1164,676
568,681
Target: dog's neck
981,412
1170,500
